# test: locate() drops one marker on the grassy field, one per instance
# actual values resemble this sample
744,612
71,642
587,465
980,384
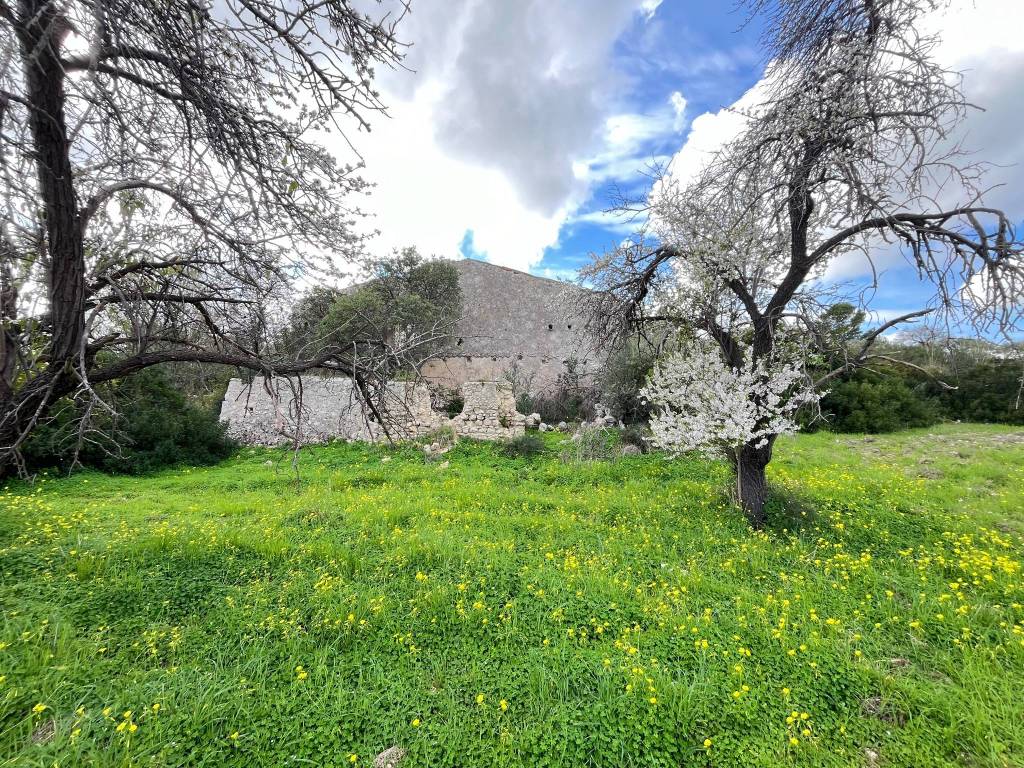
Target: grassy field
522,611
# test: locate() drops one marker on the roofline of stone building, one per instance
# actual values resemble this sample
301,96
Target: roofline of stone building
520,272
471,260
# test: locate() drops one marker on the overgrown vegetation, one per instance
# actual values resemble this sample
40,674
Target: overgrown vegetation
404,296
522,612
145,424
946,380
624,375
870,402
530,444
164,190
572,398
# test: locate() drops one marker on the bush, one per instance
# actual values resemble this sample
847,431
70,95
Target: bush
625,374
987,392
524,446
638,435
155,426
867,402
592,443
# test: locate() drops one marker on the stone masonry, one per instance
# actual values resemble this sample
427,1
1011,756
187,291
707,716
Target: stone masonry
514,320
489,412
324,409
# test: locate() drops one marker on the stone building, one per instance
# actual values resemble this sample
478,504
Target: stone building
514,326
317,409
514,323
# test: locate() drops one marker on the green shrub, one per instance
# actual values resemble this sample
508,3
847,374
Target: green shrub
154,426
986,392
592,443
867,402
404,291
530,444
624,375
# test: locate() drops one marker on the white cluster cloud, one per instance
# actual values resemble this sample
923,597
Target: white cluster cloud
509,117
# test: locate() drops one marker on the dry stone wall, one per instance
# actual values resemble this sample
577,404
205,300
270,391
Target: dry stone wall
489,412
317,410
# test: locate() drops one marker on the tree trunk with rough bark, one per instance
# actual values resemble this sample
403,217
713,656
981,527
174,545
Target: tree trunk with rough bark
40,35
750,464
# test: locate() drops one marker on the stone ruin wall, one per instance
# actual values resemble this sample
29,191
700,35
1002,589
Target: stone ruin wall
324,409
514,322
489,412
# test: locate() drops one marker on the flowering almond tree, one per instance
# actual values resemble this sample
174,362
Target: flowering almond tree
703,404
849,152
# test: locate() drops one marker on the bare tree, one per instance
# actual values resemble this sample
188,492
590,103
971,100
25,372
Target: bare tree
851,150
163,188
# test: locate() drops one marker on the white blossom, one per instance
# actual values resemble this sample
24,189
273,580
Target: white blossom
703,404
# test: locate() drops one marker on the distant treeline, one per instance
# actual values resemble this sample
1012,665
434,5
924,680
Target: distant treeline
924,382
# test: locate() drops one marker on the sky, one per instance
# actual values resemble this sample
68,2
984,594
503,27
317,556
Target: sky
516,125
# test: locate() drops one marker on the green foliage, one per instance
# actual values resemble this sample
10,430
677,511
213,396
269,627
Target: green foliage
988,391
591,443
154,426
405,295
524,446
836,330
625,374
867,402
622,609
986,377
453,406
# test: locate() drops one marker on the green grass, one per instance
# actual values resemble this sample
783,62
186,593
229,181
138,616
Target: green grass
622,610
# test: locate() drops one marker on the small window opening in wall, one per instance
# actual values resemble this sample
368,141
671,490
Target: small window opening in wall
459,342
569,326
551,327
519,356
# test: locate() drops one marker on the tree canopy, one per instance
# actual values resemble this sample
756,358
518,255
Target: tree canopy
406,302
163,184
847,152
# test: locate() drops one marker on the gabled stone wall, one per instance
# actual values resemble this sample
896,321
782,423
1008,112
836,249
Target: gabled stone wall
514,320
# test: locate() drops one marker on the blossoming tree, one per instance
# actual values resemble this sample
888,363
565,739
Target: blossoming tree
848,152
704,404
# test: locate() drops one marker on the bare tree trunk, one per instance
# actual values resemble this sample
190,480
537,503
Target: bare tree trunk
8,325
752,481
40,37
40,34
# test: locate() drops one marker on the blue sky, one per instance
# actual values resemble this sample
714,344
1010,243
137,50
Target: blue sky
515,122
710,57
